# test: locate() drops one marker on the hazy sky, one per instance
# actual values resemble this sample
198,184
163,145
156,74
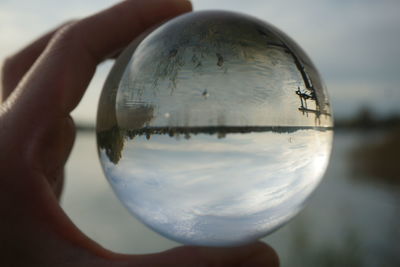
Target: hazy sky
355,43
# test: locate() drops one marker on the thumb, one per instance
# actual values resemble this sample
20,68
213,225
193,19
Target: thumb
253,255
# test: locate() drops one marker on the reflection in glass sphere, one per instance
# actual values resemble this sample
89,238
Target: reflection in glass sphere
214,129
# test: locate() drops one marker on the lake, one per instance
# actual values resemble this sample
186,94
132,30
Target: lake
348,221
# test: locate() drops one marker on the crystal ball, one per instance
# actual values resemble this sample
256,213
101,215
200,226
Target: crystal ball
214,128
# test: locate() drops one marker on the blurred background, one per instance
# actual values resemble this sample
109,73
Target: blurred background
353,217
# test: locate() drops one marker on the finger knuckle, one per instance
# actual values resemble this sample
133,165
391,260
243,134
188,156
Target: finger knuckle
6,67
66,33
72,37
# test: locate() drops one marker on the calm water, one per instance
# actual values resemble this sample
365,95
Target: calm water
347,222
202,186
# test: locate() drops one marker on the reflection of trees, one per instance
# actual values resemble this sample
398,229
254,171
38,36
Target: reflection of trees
112,141
109,137
313,90
134,117
220,131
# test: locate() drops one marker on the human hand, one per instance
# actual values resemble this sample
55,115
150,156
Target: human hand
41,85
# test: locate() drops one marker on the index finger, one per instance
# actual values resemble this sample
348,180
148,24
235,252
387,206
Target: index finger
56,82
15,66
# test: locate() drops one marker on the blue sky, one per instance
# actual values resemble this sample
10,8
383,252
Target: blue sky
355,44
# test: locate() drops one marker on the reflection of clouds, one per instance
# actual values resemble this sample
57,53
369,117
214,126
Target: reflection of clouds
187,188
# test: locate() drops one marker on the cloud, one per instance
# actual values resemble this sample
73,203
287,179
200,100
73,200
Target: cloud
353,43
188,188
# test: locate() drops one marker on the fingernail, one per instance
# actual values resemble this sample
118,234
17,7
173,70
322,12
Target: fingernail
186,3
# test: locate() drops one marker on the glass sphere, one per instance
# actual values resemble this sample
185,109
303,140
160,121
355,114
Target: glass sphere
214,129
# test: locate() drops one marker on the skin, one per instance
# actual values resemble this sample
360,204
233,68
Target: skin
40,86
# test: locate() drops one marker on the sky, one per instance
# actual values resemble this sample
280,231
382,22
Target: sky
208,211
354,44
